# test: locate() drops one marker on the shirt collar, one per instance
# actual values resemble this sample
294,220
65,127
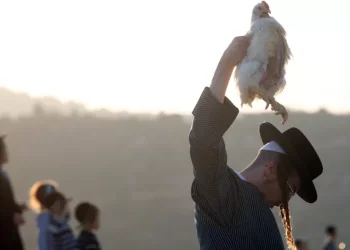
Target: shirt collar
240,176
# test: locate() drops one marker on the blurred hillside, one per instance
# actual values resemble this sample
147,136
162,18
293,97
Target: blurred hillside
14,104
138,171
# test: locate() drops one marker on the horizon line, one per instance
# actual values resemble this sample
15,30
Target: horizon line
85,105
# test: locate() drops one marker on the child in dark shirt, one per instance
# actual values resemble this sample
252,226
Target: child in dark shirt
88,216
54,231
59,229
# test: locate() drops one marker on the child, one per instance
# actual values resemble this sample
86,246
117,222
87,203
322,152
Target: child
37,196
54,230
88,216
59,228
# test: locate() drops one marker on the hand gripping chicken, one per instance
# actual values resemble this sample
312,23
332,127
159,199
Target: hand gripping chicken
261,72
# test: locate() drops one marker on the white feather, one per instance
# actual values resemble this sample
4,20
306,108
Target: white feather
265,33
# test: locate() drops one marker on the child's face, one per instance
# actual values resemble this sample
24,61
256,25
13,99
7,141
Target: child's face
60,209
65,210
96,224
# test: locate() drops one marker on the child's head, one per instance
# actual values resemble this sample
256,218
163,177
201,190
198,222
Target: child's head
331,231
39,192
88,215
57,204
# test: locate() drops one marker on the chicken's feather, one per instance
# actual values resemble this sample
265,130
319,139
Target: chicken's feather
262,72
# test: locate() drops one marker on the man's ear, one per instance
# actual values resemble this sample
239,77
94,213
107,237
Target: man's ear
270,171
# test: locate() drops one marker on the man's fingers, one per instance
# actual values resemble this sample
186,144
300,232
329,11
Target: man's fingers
242,40
239,41
237,49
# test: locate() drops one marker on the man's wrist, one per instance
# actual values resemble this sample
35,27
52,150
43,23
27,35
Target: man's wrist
230,58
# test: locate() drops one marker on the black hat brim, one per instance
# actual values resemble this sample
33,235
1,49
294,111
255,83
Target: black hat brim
307,190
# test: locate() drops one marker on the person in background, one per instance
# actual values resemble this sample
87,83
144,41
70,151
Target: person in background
55,232
37,201
59,228
11,213
331,235
301,244
88,216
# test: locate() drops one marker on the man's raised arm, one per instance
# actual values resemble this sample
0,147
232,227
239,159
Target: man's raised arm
213,115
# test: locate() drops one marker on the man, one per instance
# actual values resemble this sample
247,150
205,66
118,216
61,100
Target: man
10,212
301,245
331,235
233,210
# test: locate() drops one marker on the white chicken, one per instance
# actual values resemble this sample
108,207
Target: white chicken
261,73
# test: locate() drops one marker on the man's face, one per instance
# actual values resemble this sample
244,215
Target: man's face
4,156
96,224
272,189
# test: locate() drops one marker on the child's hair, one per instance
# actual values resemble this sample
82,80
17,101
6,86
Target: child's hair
331,230
39,193
53,197
86,212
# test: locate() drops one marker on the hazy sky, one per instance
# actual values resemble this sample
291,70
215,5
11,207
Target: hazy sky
159,54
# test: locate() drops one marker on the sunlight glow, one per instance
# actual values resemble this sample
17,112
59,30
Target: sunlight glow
341,245
159,54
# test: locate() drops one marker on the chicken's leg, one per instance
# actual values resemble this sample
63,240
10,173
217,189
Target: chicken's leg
270,100
267,100
279,109
262,94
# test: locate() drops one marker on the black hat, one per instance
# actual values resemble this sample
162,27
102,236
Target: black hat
300,152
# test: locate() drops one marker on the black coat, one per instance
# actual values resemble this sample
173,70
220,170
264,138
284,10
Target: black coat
10,238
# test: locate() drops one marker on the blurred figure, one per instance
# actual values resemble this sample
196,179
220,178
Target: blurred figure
88,216
331,235
38,194
59,229
301,244
10,212
54,231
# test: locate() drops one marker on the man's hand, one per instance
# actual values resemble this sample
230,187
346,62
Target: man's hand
237,49
18,219
235,52
23,207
